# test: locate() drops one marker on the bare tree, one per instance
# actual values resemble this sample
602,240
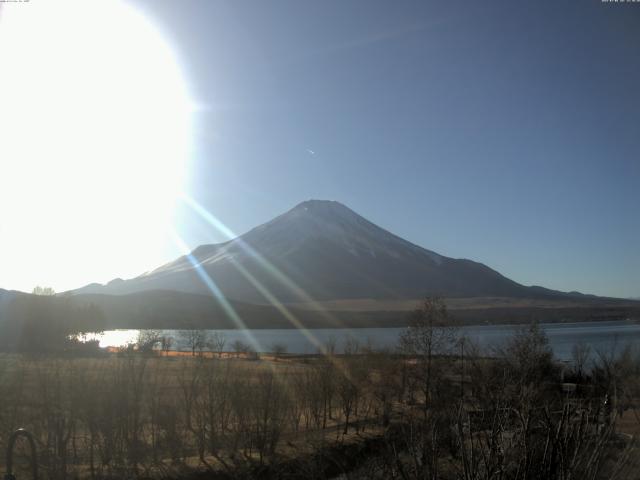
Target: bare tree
239,347
384,382
252,353
528,357
580,354
351,346
329,346
278,350
269,411
348,395
148,339
431,332
196,340
166,342
218,341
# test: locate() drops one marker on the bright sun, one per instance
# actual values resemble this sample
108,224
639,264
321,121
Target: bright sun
94,138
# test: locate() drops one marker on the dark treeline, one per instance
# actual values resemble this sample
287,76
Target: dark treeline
434,409
177,310
45,323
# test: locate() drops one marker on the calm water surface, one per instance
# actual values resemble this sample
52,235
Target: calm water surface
601,336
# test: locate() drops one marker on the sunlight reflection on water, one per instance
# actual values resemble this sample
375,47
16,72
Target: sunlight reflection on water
113,338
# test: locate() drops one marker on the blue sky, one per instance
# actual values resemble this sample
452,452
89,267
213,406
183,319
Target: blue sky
504,132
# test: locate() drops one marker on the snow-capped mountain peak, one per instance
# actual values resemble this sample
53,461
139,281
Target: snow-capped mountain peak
327,251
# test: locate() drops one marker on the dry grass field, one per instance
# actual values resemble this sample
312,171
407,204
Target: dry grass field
150,415
362,414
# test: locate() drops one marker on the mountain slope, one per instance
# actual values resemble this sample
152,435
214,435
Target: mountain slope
6,297
322,250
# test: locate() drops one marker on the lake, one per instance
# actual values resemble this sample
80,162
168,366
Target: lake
601,336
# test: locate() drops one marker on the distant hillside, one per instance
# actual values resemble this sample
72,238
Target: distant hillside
5,299
177,310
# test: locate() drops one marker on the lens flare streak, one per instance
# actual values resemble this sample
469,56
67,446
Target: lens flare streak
264,263
213,288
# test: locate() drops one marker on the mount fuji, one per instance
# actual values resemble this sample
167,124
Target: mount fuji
323,251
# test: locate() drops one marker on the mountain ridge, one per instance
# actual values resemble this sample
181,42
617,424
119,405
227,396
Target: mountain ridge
323,250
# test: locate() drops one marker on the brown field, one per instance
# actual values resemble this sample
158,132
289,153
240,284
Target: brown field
364,414
159,415
372,305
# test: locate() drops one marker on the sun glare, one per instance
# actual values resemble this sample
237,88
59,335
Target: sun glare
94,140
